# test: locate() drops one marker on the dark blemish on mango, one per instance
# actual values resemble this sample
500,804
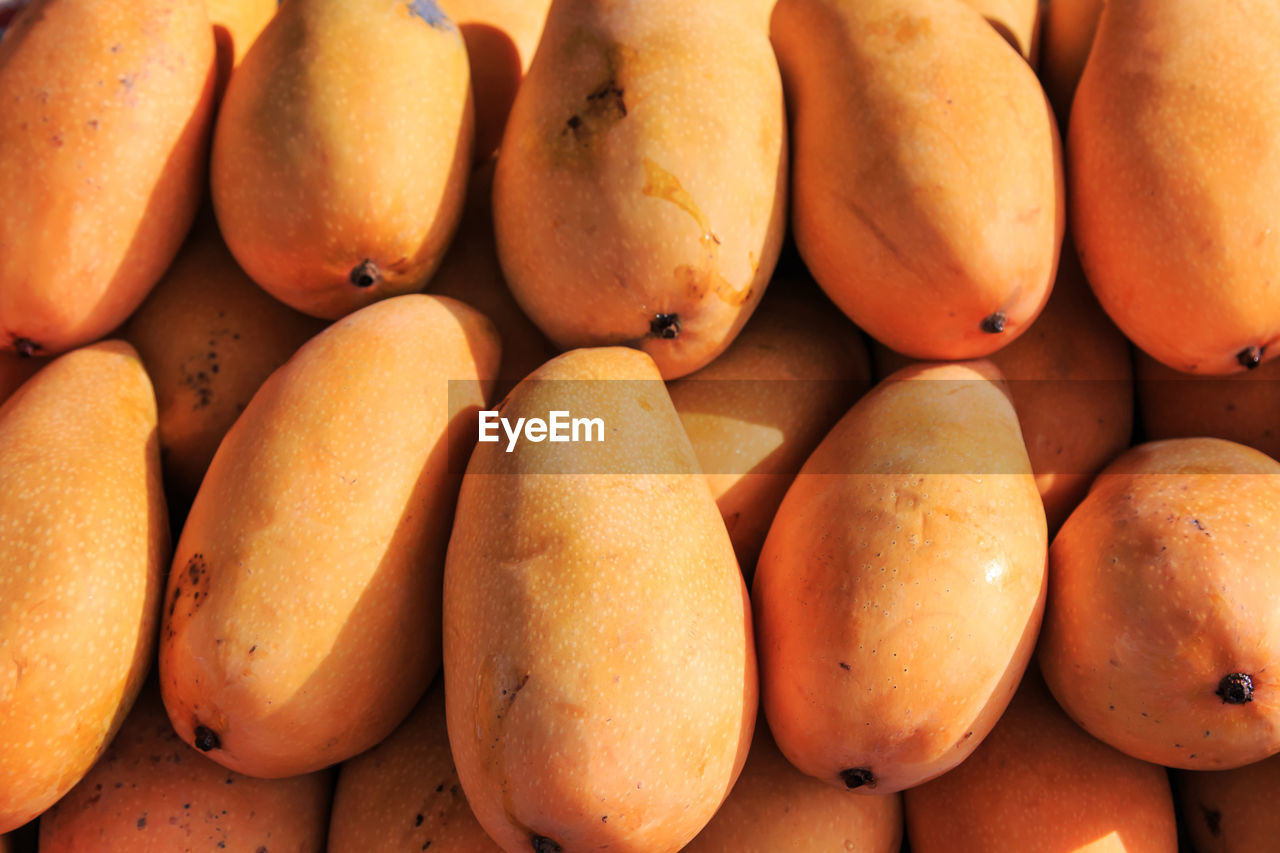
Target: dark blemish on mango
605,106
542,844
418,819
1235,689
365,274
142,821
428,11
858,777
665,326
993,324
252,648
26,348
1200,526
206,740
846,667
1250,357
1213,820
439,787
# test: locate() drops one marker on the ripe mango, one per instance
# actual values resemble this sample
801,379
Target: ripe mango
102,156
1226,811
1069,27
1017,21
775,807
1173,175
756,413
14,370
1163,625
209,337
83,540
470,273
301,617
151,793
378,90
236,25
404,794
640,195
599,666
1239,407
1071,378
900,589
1038,784
928,196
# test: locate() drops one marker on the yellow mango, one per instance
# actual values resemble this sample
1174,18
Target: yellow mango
640,195
928,196
102,157
83,540
301,619
341,151
598,655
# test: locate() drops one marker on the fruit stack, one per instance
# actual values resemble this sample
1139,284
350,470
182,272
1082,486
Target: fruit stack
639,425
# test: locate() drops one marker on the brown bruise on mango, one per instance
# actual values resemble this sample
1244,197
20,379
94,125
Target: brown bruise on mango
602,108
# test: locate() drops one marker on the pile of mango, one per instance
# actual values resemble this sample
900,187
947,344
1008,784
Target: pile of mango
934,503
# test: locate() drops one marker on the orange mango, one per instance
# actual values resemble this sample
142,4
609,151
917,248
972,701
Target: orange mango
598,654
83,540
301,620
366,207
151,793
616,223
899,593
102,156
1231,811
928,197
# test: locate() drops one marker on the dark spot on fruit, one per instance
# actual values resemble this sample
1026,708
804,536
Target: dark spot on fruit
228,781
365,274
993,324
1250,357
418,819
439,787
857,777
574,122
845,667
26,347
142,821
206,739
542,844
604,818
252,648
1213,820
665,326
1235,689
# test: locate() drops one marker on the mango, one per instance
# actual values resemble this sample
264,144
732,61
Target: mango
366,207
209,337
470,273
501,37
14,370
774,807
928,196
640,193
1226,811
102,156
756,413
1038,784
236,25
301,618
83,540
1163,625
1071,378
598,655
404,794
151,793
1017,21
1239,407
900,589
1069,27
1172,178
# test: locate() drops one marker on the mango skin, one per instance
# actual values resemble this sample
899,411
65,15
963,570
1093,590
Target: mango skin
301,615
599,666
1172,178
102,155
209,337
404,794
83,543
773,807
1040,784
1069,27
1017,21
756,413
366,208
151,793
1231,811
1162,583
900,590
615,223
927,180
236,25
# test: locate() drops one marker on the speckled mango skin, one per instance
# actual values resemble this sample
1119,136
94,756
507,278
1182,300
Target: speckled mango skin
345,135
151,793
103,140
404,794
643,173
84,539
599,665
900,590
1163,581
1173,178
927,180
1039,784
1231,811
301,615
